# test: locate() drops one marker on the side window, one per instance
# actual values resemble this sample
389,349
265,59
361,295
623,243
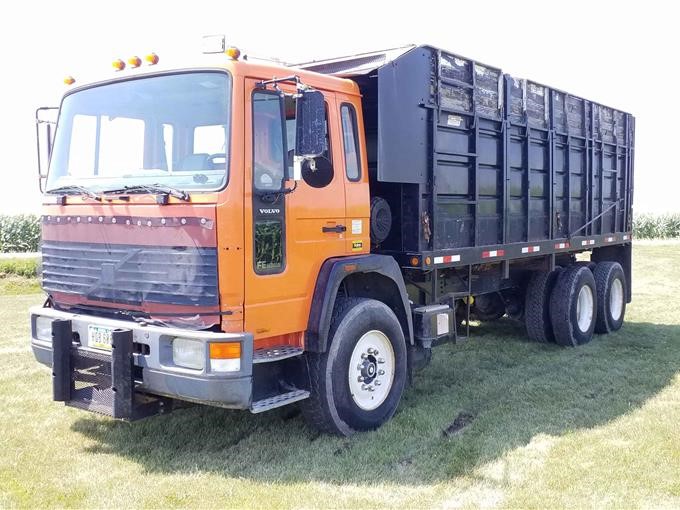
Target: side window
350,142
268,142
268,246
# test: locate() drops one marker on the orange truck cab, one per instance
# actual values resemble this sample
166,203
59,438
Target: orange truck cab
209,235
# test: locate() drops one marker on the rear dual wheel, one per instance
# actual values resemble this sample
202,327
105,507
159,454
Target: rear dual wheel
573,307
610,281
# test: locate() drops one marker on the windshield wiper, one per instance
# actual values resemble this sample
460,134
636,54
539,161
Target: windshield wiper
74,189
150,188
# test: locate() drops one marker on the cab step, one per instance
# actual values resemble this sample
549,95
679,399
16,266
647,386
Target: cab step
283,399
270,354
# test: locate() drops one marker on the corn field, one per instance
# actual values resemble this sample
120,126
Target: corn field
19,233
664,226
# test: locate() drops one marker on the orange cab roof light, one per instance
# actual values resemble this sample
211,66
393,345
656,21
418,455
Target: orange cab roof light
134,61
118,64
233,52
69,80
151,59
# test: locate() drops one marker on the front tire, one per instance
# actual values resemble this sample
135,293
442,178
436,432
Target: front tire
357,383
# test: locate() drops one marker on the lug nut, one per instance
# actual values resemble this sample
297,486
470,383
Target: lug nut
365,387
371,350
360,378
381,360
381,372
364,355
377,383
360,366
371,388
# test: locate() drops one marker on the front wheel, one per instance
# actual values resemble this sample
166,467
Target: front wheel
358,382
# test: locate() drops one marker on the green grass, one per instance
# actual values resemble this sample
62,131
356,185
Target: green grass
26,267
551,427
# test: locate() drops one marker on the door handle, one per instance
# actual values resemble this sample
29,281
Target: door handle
338,228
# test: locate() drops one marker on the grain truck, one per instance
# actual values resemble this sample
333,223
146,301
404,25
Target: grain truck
249,235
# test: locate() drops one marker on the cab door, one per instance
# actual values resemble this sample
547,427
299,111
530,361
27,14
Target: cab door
288,234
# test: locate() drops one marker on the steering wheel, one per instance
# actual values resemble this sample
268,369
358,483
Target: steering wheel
217,155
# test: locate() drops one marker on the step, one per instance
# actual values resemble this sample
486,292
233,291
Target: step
269,354
266,404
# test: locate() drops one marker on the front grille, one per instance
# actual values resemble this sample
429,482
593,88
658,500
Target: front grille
131,274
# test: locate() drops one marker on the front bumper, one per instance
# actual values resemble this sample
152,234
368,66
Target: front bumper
153,369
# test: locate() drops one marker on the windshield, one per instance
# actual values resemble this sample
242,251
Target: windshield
168,130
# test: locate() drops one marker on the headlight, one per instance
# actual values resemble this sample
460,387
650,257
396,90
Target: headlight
188,353
43,328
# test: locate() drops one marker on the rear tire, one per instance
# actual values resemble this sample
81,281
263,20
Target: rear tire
610,281
537,306
353,387
573,311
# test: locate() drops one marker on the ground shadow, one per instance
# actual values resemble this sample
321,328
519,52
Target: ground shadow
502,389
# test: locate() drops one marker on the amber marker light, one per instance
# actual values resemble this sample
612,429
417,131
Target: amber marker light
415,261
118,64
233,52
69,80
151,59
225,356
134,61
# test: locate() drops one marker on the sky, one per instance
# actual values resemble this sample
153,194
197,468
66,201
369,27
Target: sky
619,53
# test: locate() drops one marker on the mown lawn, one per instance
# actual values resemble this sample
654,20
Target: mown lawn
548,427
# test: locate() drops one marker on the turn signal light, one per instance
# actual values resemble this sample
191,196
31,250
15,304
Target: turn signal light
225,350
233,53
118,65
151,59
134,61
69,80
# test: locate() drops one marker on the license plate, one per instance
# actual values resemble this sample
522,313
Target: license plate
99,337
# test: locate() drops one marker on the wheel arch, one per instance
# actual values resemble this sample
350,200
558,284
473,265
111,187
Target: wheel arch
370,276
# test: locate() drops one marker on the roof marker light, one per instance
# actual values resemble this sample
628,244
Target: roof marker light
118,65
69,80
134,61
151,59
233,52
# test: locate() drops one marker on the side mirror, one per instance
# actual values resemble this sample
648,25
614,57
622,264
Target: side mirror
45,122
310,136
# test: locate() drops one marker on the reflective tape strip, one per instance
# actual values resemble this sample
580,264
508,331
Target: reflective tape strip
587,242
626,237
561,246
447,259
493,253
609,239
531,249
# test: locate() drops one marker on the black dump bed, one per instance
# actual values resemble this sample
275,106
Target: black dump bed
477,164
